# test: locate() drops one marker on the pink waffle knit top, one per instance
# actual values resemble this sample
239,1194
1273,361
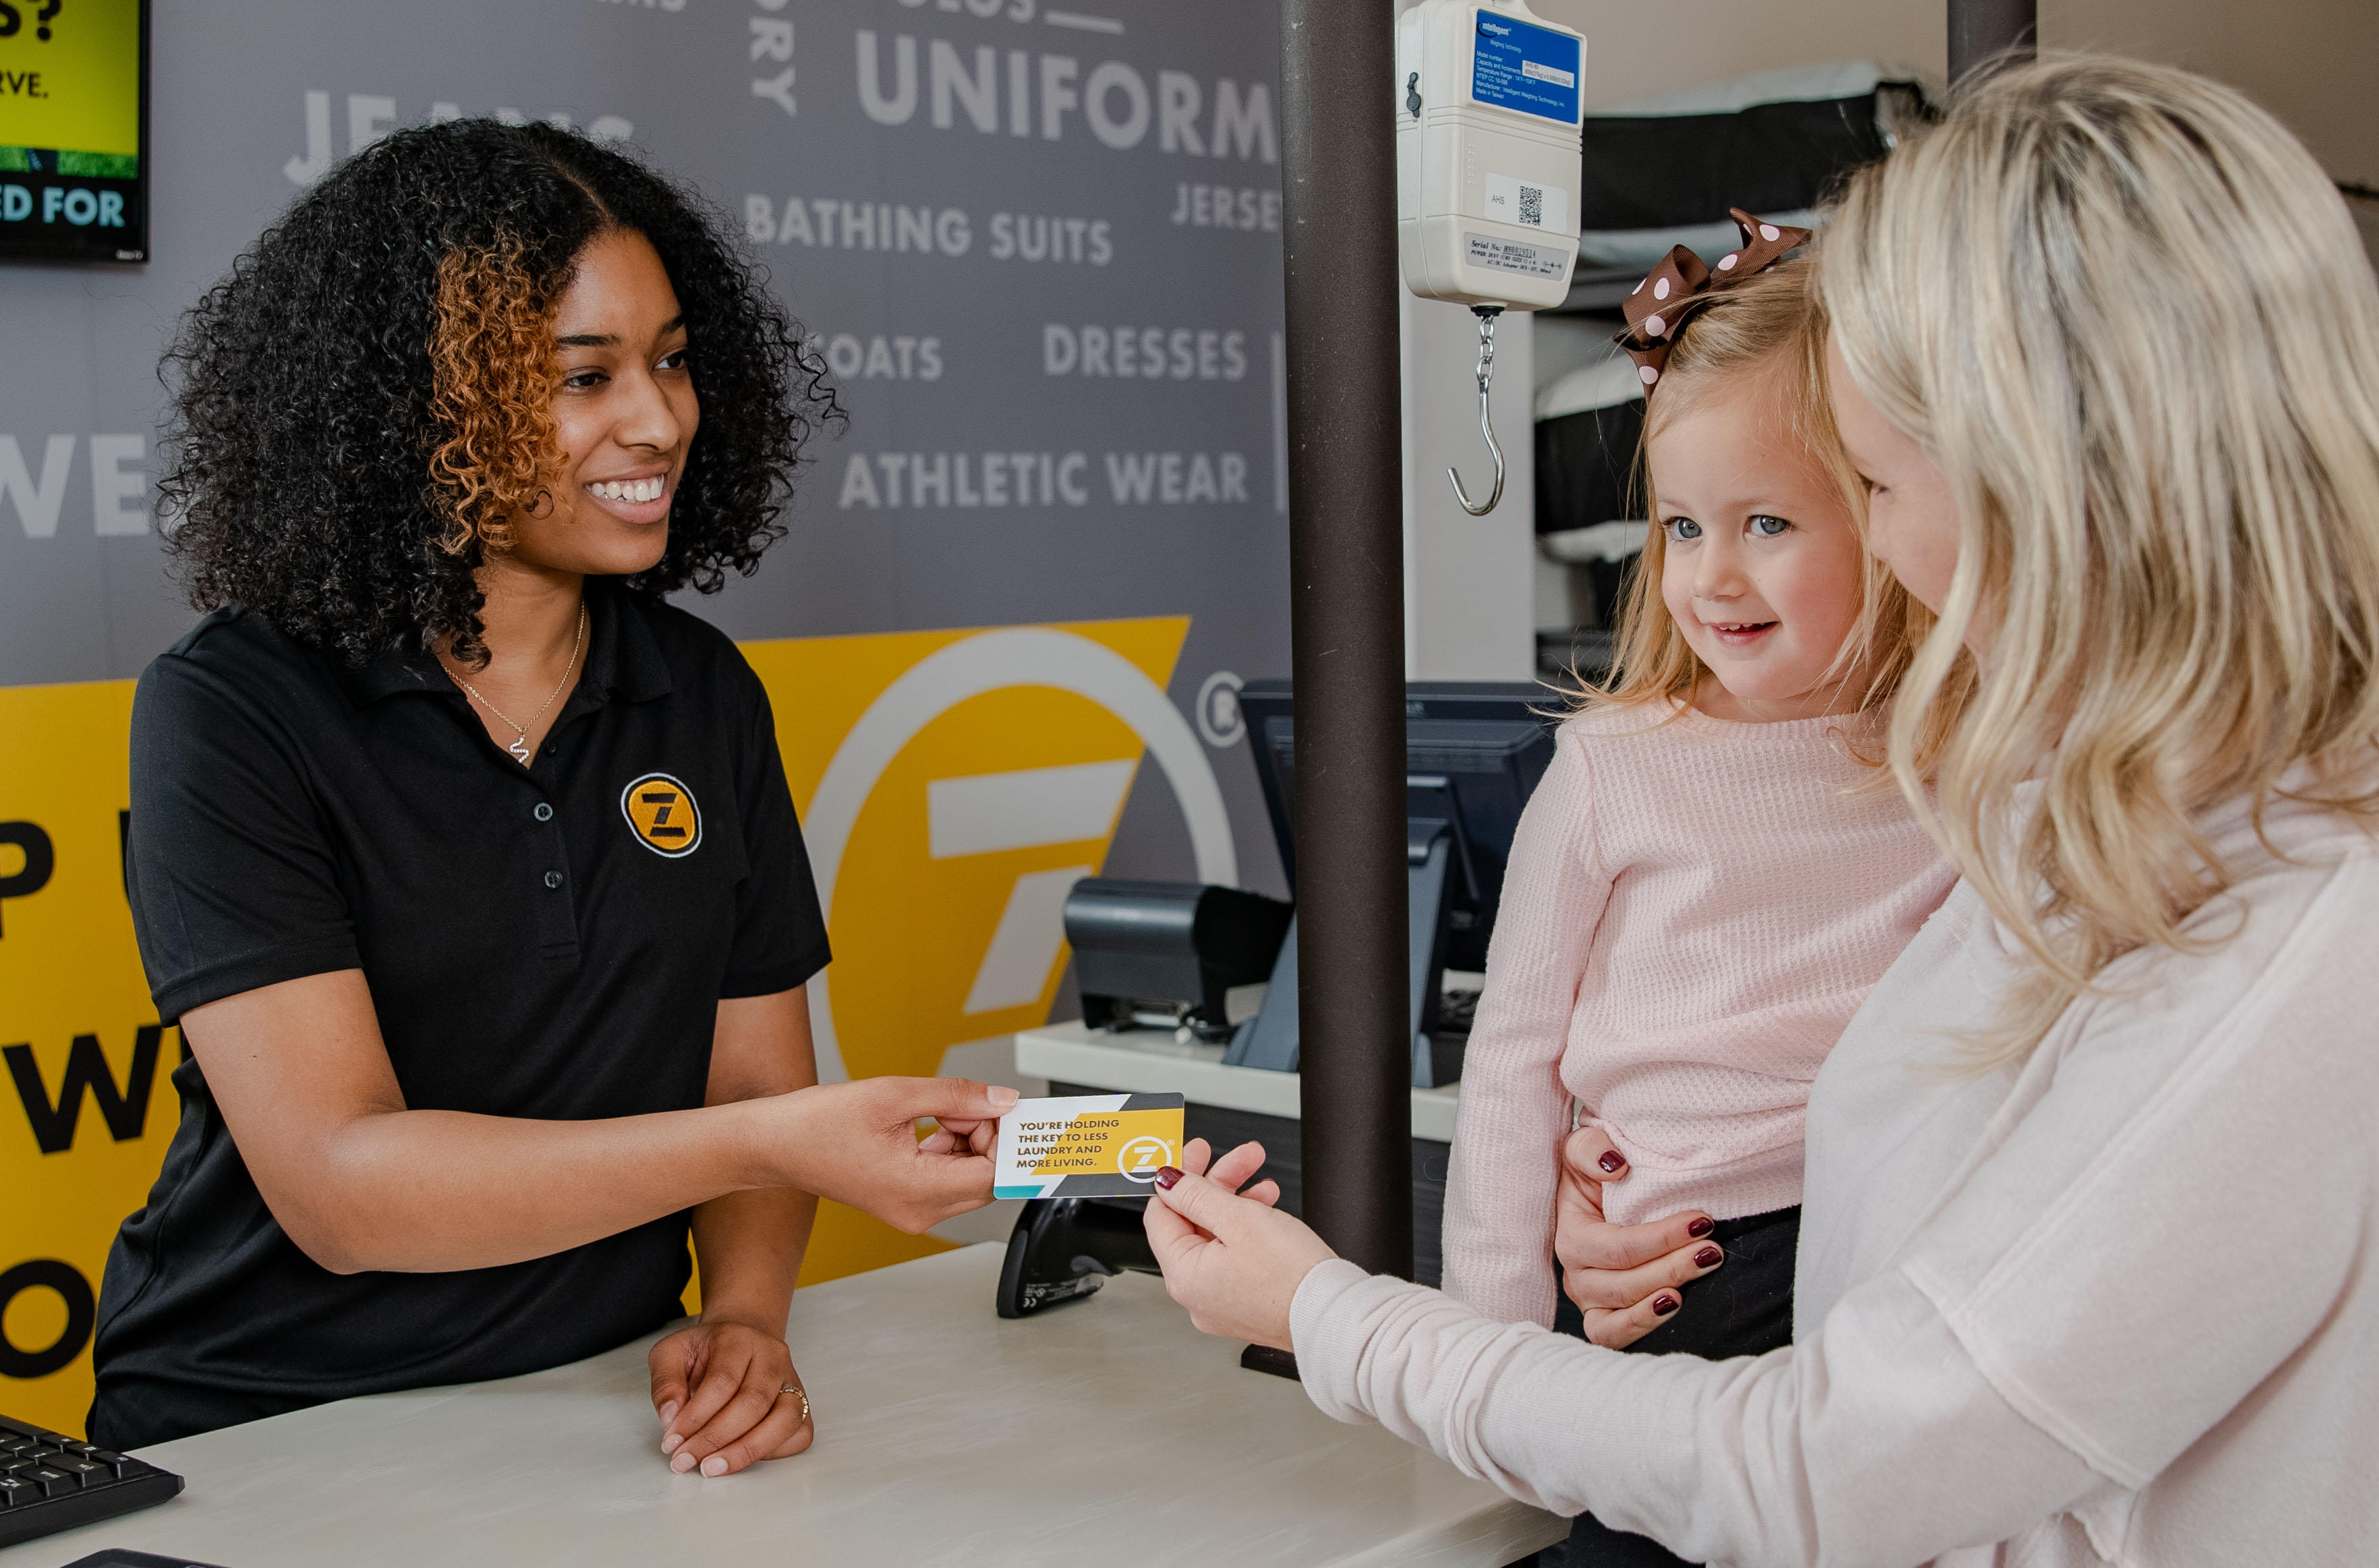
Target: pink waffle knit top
1693,912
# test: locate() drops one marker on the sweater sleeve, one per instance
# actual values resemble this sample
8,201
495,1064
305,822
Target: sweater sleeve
1874,1442
1506,1163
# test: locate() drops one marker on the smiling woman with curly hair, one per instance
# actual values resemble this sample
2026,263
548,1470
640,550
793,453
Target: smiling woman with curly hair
466,865
363,400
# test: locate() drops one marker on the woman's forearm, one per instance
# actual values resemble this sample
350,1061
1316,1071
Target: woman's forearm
423,1191
750,1247
361,1182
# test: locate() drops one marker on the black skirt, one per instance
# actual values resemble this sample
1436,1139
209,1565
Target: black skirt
1746,1309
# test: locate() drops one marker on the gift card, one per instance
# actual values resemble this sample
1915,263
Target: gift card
1087,1146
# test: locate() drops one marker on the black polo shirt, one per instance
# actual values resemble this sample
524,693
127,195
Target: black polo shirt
548,942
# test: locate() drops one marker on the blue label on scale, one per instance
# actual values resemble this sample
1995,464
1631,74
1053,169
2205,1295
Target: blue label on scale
1520,66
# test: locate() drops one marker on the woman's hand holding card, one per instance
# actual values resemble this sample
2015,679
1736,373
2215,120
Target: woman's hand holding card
1232,1258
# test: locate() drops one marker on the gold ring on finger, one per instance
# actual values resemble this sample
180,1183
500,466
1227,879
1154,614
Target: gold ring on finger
796,1391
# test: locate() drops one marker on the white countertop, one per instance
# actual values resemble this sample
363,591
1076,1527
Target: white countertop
1105,1430
1151,1062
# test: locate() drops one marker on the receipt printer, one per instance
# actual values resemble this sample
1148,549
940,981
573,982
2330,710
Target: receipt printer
1165,955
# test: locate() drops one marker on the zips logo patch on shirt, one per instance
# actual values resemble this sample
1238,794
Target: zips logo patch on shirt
662,812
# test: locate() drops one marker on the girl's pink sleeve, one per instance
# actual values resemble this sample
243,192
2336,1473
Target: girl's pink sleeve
1498,1191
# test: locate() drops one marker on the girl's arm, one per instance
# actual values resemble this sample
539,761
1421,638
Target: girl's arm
359,1181
1506,1163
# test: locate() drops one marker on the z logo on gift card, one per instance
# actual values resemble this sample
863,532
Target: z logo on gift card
662,812
1141,1159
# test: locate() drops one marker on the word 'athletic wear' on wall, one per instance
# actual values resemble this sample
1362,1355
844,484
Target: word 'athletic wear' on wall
1038,249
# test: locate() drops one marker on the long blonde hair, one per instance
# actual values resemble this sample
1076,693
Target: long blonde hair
2131,319
1771,330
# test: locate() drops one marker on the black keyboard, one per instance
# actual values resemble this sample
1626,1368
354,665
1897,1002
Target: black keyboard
50,1482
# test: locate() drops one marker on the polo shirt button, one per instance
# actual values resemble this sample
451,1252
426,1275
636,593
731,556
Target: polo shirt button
544,812
553,879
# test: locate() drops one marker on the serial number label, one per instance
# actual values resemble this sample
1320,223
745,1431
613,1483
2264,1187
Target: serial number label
1511,256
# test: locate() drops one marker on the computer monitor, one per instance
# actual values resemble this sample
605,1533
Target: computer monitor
1474,751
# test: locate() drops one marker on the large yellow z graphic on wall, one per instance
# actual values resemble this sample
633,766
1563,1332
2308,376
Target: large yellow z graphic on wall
952,786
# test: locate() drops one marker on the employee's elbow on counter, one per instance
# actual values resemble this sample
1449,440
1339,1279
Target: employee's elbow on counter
357,1243
339,1210
340,1263
324,1245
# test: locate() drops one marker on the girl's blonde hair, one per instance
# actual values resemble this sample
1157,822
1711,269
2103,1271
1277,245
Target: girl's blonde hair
2131,321
1767,332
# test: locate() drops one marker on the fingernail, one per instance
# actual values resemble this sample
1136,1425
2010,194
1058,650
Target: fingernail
669,1442
1665,1305
1702,1226
714,1466
1611,1160
1166,1176
1707,1257
684,1461
1002,1097
669,1412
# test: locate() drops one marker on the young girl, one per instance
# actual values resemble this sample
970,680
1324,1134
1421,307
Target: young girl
1709,878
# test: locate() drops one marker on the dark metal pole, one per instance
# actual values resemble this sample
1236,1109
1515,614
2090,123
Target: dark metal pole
1345,553
1980,29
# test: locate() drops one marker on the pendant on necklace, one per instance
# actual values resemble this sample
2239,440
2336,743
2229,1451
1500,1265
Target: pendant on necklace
519,749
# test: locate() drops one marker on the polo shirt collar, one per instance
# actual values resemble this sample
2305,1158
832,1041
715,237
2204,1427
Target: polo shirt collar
394,674
625,659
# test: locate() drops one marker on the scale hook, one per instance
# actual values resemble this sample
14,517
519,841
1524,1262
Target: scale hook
1487,315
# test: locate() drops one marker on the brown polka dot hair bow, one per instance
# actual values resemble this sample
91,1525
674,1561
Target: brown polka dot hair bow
1680,286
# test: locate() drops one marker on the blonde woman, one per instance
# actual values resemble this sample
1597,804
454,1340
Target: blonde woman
2089,1266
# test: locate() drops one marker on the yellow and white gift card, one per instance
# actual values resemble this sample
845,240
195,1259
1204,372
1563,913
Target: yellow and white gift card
1087,1145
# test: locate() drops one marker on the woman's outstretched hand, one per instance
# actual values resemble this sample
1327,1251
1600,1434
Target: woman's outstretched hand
1624,1278
719,1388
1231,1257
857,1144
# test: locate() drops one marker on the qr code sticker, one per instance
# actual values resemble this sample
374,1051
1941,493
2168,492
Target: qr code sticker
1532,205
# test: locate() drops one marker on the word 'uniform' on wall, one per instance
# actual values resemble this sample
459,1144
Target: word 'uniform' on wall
1038,250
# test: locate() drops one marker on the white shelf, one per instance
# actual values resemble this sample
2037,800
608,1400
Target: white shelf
1154,1063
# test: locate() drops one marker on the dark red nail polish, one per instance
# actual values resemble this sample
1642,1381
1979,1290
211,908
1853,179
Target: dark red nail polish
1166,1177
1700,1227
1665,1305
1611,1160
1707,1257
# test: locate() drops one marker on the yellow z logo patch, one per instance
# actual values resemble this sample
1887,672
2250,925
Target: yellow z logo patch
662,812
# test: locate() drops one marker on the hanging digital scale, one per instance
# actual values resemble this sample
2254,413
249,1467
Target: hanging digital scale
1488,104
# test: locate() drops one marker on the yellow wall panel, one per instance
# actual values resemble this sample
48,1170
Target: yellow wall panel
910,933
69,972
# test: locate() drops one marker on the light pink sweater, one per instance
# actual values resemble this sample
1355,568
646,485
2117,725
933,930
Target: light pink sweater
1694,911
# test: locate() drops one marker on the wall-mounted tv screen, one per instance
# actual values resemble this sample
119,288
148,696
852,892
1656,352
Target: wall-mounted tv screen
74,130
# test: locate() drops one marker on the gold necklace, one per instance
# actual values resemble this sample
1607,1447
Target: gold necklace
519,748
